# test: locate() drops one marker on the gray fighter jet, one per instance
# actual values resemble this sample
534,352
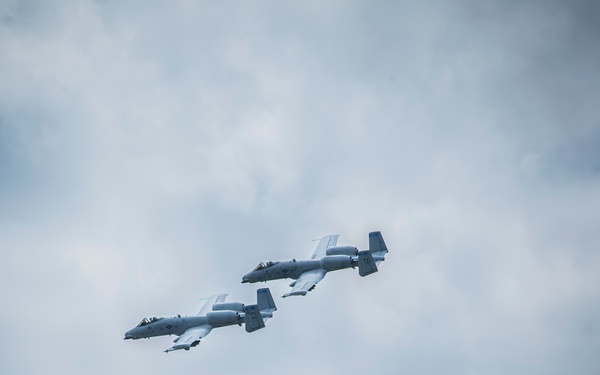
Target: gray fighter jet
326,257
214,313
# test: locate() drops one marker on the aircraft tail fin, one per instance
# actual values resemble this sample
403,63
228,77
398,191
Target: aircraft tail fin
264,300
377,245
368,260
366,263
253,318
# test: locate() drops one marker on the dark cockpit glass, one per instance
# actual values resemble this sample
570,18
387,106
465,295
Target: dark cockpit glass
263,265
148,321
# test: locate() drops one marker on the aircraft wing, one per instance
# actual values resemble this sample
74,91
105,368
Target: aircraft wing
306,282
326,242
190,338
210,301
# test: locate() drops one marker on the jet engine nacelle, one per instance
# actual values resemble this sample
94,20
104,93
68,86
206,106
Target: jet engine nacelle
342,250
335,262
229,306
222,318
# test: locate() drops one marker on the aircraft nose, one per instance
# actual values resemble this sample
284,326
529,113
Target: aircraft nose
245,279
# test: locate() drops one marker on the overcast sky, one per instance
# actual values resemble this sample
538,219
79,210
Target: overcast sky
151,153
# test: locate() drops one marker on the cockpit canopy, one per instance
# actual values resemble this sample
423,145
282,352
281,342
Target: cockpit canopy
148,321
263,265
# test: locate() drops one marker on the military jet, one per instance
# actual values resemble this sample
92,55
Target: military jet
214,313
326,257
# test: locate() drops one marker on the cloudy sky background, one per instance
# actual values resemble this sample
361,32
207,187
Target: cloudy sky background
151,153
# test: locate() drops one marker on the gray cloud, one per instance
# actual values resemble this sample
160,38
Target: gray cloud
145,146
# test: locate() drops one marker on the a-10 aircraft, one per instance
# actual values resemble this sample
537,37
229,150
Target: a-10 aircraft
326,257
214,313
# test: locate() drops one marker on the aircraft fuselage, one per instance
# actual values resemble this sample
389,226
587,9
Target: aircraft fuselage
179,324
294,268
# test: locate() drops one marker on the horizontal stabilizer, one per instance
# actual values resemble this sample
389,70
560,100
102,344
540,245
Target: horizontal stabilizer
366,263
254,320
